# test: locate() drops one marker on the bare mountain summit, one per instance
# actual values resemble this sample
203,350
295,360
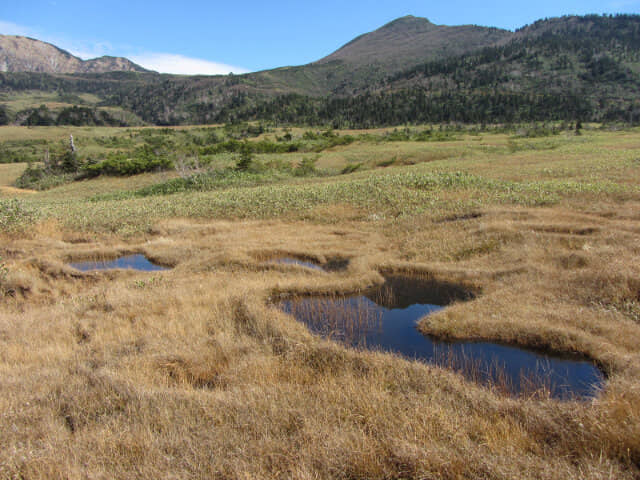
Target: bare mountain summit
410,40
22,54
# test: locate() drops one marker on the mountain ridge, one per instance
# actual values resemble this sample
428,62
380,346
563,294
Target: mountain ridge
563,68
411,39
26,54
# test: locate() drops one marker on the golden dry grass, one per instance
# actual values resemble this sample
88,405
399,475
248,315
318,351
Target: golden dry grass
15,192
9,172
189,373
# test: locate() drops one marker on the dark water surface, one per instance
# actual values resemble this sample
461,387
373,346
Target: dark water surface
133,262
385,319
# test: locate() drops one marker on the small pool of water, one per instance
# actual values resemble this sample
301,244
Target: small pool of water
385,319
332,265
301,263
132,262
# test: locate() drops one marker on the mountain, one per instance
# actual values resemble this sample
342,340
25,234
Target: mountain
410,40
22,54
408,71
568,68
569,55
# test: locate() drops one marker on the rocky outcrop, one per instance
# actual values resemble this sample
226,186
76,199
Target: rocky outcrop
23,54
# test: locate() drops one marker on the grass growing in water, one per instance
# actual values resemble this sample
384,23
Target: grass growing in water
386,318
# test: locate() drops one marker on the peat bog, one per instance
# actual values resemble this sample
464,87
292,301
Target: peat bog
190,374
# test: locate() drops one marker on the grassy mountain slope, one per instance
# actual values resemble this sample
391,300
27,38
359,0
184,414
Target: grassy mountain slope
409,40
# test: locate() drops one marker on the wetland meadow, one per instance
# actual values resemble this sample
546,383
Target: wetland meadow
523,241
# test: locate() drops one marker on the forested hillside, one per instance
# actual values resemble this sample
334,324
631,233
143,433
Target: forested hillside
571,68
560,69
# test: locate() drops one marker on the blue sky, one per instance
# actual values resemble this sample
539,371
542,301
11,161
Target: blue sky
249,35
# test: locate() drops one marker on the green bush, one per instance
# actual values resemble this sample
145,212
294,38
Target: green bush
120,164
37,117
537,131
246,158
5,119
398,135
201,182
30,176
306,167
43,181
69,162
351,168
263,146
123,166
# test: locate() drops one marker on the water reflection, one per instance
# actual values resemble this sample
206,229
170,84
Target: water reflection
385,319
133,262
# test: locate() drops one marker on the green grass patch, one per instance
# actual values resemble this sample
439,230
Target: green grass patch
460,175
16,215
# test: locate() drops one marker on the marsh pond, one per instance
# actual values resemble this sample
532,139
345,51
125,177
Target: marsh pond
385,318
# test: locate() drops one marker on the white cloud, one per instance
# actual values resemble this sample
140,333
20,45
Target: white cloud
8,28
160,62
88,51
181,65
